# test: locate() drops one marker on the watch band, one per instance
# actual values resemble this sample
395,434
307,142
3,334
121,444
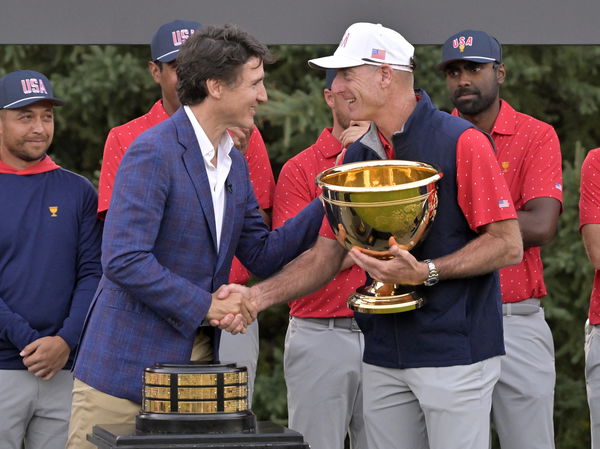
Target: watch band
434,275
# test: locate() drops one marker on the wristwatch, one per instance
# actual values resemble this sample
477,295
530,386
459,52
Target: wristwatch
434,275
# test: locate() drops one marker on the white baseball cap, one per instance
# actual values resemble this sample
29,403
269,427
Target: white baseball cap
369,43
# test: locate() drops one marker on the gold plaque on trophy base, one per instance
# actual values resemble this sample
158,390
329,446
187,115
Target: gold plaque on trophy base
195,398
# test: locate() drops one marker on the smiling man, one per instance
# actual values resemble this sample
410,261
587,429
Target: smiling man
164,48
428,374
182,207
528,152
49,267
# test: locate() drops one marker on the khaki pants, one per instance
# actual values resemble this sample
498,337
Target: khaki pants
91,406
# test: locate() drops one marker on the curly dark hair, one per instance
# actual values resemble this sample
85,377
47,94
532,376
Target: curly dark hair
215,52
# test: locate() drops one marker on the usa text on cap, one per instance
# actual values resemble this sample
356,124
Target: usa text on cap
471,45
23,87
169,38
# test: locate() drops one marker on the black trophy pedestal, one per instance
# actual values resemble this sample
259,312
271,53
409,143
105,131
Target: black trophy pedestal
267,436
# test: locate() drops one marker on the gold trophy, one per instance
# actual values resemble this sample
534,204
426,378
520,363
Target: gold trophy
366,203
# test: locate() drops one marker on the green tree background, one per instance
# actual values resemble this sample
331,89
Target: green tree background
109,85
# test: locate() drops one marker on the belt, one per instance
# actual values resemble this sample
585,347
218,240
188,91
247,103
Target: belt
338,323
525,307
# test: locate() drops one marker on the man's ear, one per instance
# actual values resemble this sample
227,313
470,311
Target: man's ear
386,74
328,95
500,74
155,71
214,88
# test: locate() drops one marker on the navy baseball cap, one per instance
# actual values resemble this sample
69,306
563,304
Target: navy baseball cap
169,38
23,87
471,45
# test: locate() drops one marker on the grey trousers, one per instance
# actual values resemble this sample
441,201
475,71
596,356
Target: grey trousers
523,398
34,411
323,373
592,379
429,408
243,350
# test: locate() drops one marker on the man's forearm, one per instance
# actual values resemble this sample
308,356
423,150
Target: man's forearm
304,275
499,246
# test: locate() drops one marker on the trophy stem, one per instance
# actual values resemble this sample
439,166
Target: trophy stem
385,298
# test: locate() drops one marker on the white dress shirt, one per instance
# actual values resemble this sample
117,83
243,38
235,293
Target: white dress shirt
217,174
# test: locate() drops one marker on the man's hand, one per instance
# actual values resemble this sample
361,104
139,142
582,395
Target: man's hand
231,309
402,268
353,132
240,137
46,356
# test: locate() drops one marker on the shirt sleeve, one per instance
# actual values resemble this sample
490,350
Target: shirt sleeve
483,195
113,154
589,200
263,184
543,171
89,270
14,328
260,170
292,192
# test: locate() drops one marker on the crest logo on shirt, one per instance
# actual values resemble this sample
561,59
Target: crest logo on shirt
462,42
505,166
53,210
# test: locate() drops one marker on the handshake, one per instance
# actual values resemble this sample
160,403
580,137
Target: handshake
233,308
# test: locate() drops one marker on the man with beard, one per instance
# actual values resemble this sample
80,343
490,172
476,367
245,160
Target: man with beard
528,152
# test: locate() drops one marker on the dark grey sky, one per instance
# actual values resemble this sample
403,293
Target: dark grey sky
300,21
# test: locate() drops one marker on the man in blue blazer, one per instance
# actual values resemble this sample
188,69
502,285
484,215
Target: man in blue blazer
182,207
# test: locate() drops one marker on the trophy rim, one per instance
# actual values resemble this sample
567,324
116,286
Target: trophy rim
436,176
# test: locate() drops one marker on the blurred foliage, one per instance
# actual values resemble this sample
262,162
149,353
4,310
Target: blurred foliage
109,85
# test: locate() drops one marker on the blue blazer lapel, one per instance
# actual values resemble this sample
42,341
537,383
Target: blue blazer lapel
194,164
228,217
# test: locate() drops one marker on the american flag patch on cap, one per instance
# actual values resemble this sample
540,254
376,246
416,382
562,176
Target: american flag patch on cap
378,53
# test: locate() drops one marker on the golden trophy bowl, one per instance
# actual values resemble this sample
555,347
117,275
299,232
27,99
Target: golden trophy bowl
366,203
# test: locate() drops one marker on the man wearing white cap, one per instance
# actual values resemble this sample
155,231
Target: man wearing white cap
428,373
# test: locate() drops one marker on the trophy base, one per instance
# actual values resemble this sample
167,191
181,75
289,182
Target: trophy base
385,298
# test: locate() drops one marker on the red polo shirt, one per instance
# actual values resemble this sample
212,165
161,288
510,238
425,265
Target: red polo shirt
589,213
528,152
121,137
117,142
295,189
